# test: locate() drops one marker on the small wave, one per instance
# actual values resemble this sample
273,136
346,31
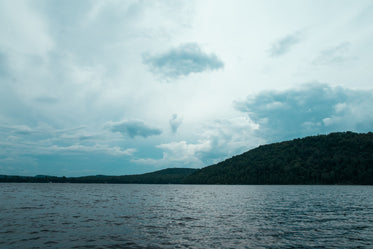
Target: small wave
29,208
50,242
187,218
33,238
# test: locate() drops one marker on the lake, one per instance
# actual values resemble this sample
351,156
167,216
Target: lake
49,215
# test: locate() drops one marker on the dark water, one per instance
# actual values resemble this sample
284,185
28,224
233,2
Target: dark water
185,216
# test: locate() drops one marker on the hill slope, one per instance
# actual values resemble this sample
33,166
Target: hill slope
337,158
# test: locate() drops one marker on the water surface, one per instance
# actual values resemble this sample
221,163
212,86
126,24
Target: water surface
43,215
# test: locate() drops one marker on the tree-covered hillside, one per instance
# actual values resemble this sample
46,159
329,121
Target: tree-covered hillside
337,158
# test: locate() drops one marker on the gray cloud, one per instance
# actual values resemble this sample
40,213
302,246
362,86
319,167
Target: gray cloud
134,128
182,61
46,100
283,45
175,122
334,55
309,110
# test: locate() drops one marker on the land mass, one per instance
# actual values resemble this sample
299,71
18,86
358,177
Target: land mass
165,176
337,158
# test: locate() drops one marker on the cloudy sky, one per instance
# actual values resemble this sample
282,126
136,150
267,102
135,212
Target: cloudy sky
122,87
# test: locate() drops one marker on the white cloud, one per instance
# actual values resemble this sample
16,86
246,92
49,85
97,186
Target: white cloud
179,154
340,107
220,139
23,30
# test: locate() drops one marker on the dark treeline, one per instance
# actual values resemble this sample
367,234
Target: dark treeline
166,176
337,158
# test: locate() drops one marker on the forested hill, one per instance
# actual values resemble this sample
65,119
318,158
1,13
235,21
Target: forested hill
337,158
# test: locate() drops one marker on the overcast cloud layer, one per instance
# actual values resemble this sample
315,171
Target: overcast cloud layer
124,87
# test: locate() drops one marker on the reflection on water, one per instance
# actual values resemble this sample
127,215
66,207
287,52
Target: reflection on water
184,216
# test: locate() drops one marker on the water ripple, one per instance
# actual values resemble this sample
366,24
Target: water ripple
181,216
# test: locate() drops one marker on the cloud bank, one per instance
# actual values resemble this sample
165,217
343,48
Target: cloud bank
309,110
32,149
181,61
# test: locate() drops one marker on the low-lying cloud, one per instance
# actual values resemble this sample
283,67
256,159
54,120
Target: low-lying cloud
179,154
181,61
33,141
218,140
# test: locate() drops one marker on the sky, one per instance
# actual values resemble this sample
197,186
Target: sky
127,86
